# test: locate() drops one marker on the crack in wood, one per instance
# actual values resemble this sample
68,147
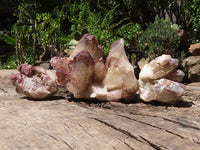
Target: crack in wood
67,144
114,147
143,141
51,136
153,126
140,114
182,124
171,132
156,147
84,130
169,120
56,139
3,90
66,126
196,141
131,148
118,129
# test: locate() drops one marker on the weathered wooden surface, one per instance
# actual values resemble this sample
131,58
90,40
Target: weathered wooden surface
65,123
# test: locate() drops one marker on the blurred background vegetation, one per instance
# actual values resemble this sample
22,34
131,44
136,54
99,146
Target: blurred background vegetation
149,27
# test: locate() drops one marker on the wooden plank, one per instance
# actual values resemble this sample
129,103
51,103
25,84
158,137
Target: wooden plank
61,123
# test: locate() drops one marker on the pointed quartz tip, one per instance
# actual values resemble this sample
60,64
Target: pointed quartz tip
88,42
116,51
120,41
84,56
89,36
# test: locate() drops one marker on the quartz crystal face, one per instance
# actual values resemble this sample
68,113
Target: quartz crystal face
163,90
158,68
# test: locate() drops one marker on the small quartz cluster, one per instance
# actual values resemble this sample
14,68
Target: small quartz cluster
159,80
34,81
85,74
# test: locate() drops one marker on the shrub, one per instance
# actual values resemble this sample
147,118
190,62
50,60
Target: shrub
24,32
49,28
194,11
35,30
159,38
11,63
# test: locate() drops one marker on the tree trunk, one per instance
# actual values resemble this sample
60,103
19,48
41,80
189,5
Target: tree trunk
34,41
16,47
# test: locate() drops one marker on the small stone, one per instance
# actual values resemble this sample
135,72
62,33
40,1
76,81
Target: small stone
195,49
191,67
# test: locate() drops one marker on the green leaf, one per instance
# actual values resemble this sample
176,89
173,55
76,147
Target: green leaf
8,39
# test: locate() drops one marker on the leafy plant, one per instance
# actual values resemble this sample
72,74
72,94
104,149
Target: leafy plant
24,32
194,11
62,24
8,39
35,30
106,24
5,36
50,29
159,38
11,63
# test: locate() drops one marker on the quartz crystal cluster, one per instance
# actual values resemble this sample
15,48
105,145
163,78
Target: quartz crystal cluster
34,81
159,80
85,74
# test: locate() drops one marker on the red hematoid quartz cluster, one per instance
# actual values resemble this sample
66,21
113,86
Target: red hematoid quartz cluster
86,75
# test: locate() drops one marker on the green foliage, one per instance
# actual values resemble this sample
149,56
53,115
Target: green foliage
104,28
24,30
9,40
49,28
105,24
194,11
36,29
5,36
41,24
159,38
11,63
133,57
